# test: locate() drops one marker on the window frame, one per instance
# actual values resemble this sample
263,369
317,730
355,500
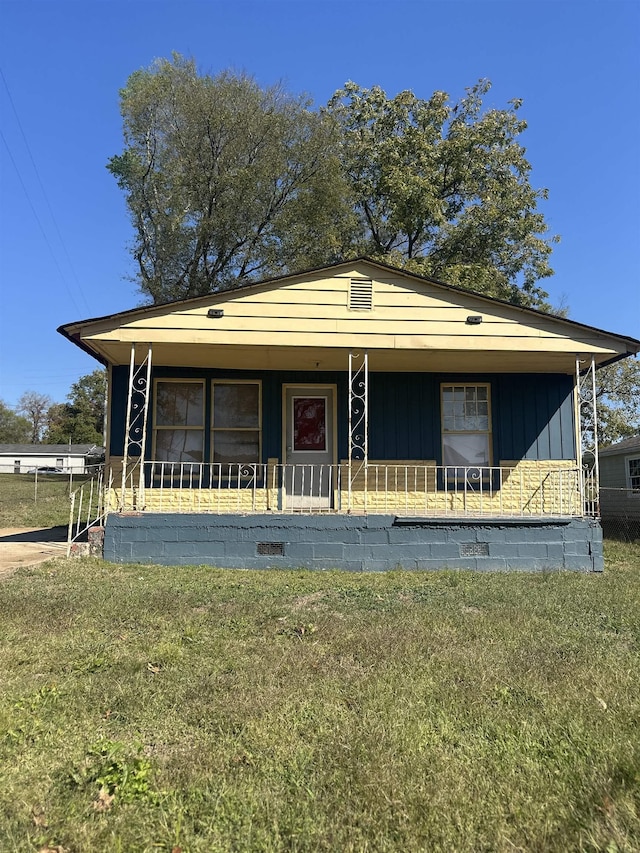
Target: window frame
166,427
212,430
633,491
456,473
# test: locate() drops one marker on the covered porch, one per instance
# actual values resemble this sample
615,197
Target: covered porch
308,477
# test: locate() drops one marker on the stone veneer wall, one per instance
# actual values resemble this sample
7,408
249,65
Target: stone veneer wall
357,543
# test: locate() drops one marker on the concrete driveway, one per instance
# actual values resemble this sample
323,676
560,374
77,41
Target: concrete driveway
26,546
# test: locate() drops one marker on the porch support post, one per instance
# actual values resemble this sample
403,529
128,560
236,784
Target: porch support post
587,415
143,438
135,433
358,422
127,427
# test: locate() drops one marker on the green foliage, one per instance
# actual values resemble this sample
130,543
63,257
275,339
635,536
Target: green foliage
81,419
228,182
110,770
618,392
444,190
14,429
320,711
224,180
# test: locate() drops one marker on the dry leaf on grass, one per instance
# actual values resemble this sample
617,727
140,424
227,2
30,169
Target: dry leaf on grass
103,801
39,817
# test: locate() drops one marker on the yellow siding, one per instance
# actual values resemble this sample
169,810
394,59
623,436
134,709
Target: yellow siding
268,317
308,336
312,311
299,309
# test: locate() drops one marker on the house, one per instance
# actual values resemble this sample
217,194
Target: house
355,416
620,489
60,458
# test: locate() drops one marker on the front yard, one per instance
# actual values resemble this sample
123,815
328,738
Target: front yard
195,709
27,501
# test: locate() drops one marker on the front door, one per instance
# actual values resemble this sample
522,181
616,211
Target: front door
309,446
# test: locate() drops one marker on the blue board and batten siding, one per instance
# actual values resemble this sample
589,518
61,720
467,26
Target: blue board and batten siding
532,415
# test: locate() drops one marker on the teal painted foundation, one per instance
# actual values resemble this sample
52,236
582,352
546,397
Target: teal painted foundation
354,543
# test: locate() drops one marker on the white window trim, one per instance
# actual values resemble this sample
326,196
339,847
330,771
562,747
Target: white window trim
631,492
488,432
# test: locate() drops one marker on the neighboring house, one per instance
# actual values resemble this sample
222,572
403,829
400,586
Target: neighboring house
620,489
61,458
356,416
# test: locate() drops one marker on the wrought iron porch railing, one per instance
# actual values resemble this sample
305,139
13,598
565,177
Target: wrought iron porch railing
535,490
88,506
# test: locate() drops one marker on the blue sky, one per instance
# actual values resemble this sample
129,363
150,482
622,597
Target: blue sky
64,227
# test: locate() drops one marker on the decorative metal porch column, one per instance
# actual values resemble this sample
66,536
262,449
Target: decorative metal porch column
358,421
588,434
135,431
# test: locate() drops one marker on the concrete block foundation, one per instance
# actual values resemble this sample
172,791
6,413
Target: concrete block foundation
354,543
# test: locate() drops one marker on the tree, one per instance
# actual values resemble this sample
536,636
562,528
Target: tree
81,419
14,429
444,190
228,182
34,407
224,180
618,401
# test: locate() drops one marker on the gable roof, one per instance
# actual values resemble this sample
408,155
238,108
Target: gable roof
627,445
311,311
51,449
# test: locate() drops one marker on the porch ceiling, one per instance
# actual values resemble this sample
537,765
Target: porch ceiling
233,357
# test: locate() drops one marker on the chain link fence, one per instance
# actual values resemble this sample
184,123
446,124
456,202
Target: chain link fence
38,499
620,514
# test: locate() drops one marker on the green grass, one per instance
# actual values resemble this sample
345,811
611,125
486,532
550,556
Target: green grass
25,503
197,709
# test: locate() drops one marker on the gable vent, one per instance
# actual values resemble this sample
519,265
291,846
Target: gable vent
361,294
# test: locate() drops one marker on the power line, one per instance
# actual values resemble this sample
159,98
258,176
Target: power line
46,198
40,225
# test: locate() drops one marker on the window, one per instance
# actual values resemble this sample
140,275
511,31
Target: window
235,422
59,462
309,424
633,474
466,427
179,421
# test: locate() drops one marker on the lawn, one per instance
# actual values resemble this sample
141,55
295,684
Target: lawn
27,503
198,709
